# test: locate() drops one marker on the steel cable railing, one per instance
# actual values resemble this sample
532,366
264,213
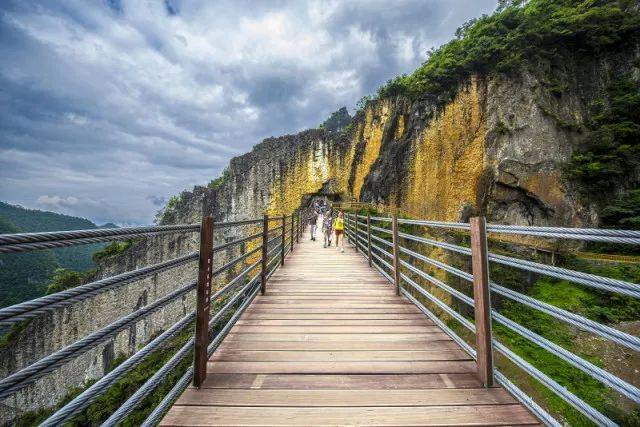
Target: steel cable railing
381,240
54,239
435,224
234,261
592,280
598,282
284,242
228,224
380,229
33,308
631,237
160,375
603,376
27,375
581,322
155,416
540,412
236,242
98,388
569,397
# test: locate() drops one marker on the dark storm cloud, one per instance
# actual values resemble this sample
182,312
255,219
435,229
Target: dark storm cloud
107,108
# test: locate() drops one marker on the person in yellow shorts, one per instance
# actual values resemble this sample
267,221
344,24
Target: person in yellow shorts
338,229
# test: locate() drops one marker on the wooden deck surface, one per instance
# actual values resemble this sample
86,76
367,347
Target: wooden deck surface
331,344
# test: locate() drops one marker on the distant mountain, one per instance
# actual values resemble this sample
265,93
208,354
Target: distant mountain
26,275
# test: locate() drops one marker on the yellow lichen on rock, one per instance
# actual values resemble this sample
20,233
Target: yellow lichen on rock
372,132
306,174
340,168
448,160
399,127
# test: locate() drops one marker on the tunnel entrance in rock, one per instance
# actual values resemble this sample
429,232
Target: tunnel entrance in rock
329,191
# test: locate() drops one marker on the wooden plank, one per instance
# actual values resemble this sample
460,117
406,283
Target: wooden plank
332,304
272,308
341,345
342,382
314,356
293,299
335,322
298,329
342,292
336,316
343,367
436,336
306,398
339,416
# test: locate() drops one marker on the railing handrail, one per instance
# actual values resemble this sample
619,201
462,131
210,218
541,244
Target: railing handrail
274,249
610,235
362,239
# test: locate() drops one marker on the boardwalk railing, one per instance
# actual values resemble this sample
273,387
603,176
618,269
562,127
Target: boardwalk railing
277,235
385,247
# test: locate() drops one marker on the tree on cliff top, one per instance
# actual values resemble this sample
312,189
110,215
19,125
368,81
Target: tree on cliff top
518,34
337,120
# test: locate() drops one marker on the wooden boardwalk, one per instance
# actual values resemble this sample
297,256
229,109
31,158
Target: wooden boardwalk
331,344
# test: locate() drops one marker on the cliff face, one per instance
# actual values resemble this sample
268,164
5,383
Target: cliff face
498,148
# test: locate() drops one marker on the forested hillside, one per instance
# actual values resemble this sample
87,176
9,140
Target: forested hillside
25,276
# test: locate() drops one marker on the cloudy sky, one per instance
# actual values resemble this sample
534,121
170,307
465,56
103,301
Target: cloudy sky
108,107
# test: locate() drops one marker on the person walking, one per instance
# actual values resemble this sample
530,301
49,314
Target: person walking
313,223
327,227
338,227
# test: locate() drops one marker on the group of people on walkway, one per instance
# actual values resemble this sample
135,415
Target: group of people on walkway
331,224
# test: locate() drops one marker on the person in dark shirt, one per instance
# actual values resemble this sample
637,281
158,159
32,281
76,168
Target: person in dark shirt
327,228
313,221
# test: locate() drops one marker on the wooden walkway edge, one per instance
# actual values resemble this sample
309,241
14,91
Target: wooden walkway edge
330,343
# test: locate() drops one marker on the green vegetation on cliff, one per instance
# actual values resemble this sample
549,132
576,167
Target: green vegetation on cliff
608,162
519,33
337,121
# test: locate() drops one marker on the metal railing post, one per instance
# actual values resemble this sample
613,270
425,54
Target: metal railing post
349,225
265,239
482,300
203,301
369,238
284,237
396,253
356,232
293,223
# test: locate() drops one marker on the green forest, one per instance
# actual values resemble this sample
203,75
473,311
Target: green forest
27,275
